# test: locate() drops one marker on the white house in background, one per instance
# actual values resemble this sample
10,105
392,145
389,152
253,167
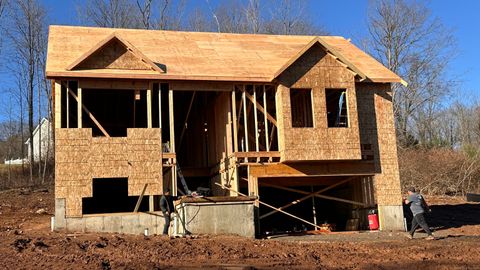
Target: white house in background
43,134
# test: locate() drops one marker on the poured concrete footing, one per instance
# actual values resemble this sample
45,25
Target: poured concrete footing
391,217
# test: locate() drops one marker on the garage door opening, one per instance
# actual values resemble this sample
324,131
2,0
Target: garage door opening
110,195
342,204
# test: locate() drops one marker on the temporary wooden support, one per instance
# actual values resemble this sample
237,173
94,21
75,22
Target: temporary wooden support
314,210
185,123
139,201
234,121
316,194
89,114
245,120
79,107
272,207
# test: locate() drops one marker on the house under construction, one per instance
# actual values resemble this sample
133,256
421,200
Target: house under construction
301,125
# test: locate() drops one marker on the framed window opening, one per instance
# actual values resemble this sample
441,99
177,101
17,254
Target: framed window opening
301,107
337,110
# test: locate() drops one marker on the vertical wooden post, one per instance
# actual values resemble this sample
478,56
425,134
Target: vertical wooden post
159,108
151,205
265,118
245,124
149,105
68,104
255,115
172,140
234,121
171,119
58,104
79,106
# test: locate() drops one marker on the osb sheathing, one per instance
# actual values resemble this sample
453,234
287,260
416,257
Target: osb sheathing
79,158
318,71
376,121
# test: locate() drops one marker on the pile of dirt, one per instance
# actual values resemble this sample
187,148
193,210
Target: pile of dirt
27,243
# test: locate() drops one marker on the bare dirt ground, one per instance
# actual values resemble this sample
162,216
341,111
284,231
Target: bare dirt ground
27,243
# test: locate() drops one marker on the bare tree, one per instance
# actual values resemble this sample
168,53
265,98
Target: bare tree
253,16
410,42
24,30
145,9
290,17
170,15
110,13
198,21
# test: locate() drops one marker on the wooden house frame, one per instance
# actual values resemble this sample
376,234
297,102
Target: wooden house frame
246,114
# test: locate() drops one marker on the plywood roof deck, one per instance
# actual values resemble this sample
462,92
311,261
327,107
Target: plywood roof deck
200,56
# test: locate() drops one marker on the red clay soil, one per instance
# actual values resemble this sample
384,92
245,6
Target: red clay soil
27,243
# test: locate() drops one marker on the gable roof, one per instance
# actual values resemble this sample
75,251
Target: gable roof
114,37
200,56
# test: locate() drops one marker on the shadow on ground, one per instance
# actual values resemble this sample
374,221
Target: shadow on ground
447,216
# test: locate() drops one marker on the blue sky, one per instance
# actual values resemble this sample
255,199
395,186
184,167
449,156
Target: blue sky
348,18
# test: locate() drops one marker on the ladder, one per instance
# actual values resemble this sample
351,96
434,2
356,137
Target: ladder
342,112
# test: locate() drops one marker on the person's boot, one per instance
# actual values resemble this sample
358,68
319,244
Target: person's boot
408,235
430,237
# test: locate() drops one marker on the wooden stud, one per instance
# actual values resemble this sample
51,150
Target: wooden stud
160,109
79,107
234,121
245,122
171,119
149,105
269,117
265,119
58,104
68,105
255,118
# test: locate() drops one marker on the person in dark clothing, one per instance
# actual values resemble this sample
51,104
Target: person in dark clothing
418,206
166,205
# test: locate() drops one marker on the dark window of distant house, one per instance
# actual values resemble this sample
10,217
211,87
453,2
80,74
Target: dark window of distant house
301,106
337,114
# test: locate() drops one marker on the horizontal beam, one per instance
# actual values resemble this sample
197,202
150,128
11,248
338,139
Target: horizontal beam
257,154
341,168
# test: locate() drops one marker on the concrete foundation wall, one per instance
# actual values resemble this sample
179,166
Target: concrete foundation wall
218,218
391,217
129,223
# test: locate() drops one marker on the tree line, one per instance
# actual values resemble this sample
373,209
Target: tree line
402,34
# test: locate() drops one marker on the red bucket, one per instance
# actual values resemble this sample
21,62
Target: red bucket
373,222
